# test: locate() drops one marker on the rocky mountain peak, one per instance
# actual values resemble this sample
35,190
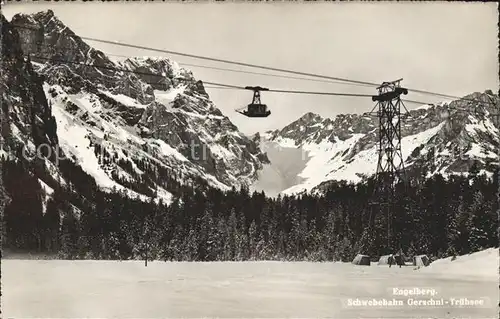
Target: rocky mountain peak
310,117
45,30
446,138
46,38
47,15
129,124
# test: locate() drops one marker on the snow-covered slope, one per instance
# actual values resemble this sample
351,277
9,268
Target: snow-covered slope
128,124
447,139
112,289
483,263
131,123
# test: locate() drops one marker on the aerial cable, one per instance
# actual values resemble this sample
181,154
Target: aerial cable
323,93
262,67
228,61
241,88
292,91
256,66
240,71
227,86
272,75
211,83
254,73
215,59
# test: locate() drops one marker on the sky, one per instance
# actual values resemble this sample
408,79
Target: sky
444,47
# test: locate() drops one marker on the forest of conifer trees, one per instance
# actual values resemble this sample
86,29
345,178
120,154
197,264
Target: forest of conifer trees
437,217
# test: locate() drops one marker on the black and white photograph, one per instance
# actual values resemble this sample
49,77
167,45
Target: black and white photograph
250,159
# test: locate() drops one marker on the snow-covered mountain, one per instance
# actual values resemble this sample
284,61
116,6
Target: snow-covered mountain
447,138
129,124
144,126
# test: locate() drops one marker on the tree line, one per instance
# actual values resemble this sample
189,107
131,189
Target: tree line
437,216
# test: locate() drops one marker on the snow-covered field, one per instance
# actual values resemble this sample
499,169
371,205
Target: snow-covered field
108,289
483,264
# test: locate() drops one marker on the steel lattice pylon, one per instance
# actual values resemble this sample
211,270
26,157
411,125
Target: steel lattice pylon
390,165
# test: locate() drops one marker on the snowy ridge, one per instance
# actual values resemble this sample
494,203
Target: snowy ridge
436,139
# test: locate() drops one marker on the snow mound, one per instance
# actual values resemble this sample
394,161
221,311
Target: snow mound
425,107
479,264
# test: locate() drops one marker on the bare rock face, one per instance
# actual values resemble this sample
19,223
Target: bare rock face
148,113
24,107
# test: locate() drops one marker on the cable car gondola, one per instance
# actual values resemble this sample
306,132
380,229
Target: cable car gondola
256,108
